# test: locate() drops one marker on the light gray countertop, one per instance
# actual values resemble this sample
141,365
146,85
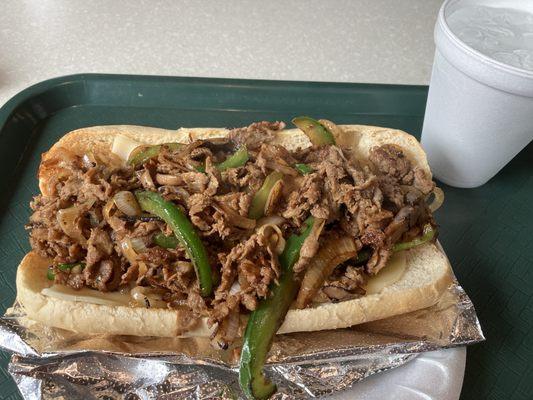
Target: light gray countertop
380,41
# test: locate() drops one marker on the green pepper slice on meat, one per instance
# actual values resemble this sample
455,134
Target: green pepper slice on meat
317,133
140,157
185,233
63,267
267,318
237,159
303,169
259,201
168,242
428,234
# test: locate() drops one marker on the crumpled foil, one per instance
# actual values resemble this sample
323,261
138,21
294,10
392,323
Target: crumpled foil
51,363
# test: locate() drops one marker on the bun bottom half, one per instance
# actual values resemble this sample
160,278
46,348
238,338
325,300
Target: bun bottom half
426,277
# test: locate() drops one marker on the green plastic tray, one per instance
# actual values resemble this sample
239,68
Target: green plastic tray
487,232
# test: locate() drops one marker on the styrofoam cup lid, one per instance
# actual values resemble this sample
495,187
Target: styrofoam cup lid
474,63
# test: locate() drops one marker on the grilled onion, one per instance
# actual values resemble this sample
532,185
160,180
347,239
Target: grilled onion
88,160
138,244
235,288
131,255
171,180
333,128
310,246
108,213
333,252
227,330
274,236
148,297
126,202
270,220
235,218
146,179
127,250
438,199
281,167
69,221
273,197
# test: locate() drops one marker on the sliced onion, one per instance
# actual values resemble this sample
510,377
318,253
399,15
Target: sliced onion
76,269
127,203
171,180
270,220
235,218
131,255
310,245
69,221
143,269
273,197
227,330
128,251
332,127
284,169
138,244
148,297
274,236
438,199
93,219
337,293
88,160
146,179
235,288
108,213
333,252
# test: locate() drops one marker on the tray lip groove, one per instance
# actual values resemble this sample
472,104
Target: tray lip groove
42,87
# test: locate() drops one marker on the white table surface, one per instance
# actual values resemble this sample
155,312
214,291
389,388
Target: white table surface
381,41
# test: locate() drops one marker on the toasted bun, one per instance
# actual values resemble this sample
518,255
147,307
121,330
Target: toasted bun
427,275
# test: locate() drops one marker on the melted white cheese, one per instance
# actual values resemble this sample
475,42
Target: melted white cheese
87,295
123,146
390,274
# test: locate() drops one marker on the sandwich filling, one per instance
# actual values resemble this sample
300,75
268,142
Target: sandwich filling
212,226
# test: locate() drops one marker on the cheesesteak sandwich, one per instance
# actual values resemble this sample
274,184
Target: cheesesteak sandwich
225,233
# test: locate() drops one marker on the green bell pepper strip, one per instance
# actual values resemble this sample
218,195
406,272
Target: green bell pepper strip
185,233
303,169
237,159
317,133
428,234
168,242
63,267
171,242
257,207
150,152
267,318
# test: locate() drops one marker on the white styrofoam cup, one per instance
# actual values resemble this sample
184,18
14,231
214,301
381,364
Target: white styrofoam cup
479,112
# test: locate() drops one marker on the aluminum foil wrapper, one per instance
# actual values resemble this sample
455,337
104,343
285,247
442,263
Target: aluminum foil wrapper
50,363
